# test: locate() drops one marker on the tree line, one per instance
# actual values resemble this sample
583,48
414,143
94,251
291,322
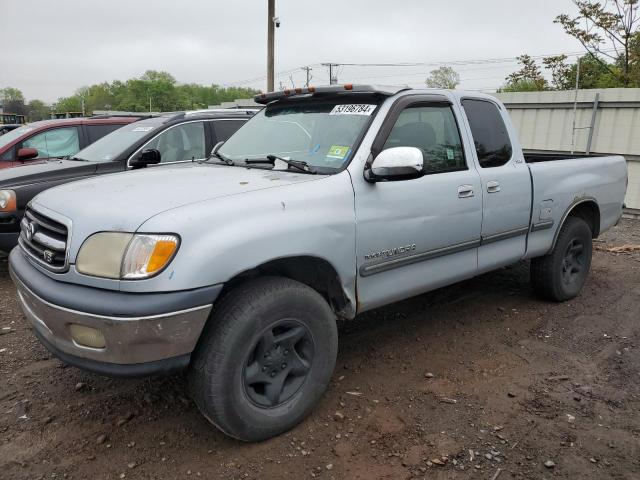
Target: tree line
153,91
610,35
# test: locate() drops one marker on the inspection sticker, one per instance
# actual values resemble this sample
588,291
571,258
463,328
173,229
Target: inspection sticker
338,151
142,129
450,154
353,109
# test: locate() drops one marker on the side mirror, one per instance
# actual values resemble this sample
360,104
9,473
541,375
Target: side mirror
27,153
398,163
150,156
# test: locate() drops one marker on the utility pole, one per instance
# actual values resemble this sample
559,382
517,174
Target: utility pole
333,77
271,15
309,76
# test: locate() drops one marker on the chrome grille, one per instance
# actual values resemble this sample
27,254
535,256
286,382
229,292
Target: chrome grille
44,240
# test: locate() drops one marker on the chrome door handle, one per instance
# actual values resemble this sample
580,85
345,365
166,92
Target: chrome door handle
493,187
465,191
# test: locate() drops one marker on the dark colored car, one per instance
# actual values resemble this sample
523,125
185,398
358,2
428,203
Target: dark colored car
174,138
7,127
39,141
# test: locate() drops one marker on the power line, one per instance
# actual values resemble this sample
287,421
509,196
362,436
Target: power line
335,68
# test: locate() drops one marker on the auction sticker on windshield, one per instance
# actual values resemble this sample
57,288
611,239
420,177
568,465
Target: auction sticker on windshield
142,129
353,109
338,151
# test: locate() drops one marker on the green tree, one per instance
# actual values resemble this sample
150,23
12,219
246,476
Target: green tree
607,31
37,110
10,94
560,72
528,79
154,89
443,77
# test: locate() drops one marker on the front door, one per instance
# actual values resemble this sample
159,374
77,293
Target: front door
416,235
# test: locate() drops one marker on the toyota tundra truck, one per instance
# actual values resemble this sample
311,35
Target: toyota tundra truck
331,201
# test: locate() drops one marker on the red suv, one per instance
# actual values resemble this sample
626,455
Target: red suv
39,141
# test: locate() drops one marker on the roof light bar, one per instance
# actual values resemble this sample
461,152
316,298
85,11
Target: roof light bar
265,98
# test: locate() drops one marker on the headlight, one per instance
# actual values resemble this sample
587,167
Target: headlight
126,255
8,201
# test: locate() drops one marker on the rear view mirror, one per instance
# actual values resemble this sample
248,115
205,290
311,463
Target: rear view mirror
150,156
27,153
393,164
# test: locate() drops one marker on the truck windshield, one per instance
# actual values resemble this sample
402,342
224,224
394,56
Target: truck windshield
109,147
323,134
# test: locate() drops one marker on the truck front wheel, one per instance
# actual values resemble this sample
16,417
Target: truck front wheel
265,358
561,274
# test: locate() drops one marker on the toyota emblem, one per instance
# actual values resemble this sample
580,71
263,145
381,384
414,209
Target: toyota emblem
31,231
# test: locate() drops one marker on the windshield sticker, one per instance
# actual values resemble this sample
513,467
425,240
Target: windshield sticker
450,154
142,129
353,109
338,151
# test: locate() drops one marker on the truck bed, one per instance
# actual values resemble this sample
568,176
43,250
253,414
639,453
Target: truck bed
537,157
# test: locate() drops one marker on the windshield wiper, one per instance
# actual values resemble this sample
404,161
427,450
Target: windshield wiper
226,160
69,157
297,164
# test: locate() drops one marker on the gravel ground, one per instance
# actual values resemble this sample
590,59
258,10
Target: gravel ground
475,381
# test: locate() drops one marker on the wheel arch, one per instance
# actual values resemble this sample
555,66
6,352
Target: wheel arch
315,272
588,210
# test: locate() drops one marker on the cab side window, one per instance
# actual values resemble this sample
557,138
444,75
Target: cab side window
432,129
181,143
490,135
57,142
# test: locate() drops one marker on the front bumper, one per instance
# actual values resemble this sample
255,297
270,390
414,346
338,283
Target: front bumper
140,340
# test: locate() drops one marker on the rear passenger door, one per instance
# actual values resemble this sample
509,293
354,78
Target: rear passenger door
506,185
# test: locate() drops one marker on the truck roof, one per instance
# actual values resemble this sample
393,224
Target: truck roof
381,90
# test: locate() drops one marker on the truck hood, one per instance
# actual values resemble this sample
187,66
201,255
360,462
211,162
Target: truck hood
44,171
124,201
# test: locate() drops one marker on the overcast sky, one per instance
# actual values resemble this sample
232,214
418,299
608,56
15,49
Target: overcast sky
51,48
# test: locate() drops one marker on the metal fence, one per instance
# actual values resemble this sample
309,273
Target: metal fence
595,121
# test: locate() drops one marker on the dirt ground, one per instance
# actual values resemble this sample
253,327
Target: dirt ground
476,381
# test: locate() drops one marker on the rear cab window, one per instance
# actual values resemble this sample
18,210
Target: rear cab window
490,135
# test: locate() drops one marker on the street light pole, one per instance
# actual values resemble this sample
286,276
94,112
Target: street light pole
270,43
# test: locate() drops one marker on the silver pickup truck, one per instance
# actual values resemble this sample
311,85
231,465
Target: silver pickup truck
330,202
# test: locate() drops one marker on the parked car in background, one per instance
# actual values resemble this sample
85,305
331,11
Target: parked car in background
39,141
171,138
330,202
6,128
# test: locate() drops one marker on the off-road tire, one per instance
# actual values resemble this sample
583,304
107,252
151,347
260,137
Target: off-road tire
551,275
233,340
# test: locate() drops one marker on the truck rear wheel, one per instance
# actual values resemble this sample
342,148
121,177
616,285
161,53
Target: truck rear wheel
561,274
265,359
